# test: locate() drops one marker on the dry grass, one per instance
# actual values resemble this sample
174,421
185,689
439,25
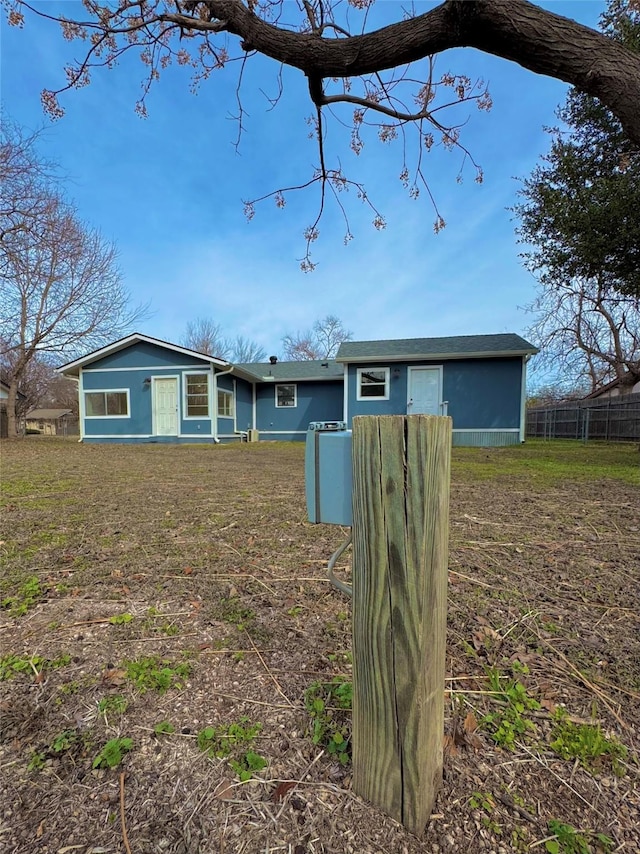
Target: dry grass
201,558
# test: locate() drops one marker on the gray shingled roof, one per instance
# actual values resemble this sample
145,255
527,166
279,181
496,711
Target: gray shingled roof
455,347
325,369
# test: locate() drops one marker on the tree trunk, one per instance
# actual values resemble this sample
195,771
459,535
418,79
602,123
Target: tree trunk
12,421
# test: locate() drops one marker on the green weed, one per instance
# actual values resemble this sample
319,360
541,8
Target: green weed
112,753
328,704
247,765
114,704
164,728
121,619
233,611
586,743
567,840
219,742
508,723
154,674
12,665
25,599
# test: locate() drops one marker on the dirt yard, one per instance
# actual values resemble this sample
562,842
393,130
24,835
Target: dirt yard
175,666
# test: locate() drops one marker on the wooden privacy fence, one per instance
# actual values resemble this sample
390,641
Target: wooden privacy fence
614,419
401,467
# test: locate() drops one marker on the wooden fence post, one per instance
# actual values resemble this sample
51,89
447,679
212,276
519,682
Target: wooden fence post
401,467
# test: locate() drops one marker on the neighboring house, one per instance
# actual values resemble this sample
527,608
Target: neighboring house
612,389
141,389
51,422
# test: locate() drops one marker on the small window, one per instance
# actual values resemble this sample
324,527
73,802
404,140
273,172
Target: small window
106,404
197,395
373,383
225,403
286,395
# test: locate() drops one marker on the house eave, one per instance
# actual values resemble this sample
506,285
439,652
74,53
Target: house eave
435,357
72,369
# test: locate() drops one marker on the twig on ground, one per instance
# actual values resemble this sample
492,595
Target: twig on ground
269,673
125,838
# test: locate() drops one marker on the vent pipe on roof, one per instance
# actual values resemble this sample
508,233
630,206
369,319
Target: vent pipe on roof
273,359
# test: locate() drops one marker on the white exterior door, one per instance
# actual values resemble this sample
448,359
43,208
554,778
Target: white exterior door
424,391
165,406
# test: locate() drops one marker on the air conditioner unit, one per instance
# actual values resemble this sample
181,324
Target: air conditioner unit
253,436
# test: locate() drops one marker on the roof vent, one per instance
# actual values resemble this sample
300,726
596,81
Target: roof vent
273,359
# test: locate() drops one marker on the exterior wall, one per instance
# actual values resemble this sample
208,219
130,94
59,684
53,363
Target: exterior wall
236,427
483,397
315,401
134,370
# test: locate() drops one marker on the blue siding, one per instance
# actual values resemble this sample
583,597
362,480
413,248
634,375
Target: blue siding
484,394
316,401
244,405
143,354
397,403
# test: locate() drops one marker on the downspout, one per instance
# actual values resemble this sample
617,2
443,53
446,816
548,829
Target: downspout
345,394
523,399
80,405
214,424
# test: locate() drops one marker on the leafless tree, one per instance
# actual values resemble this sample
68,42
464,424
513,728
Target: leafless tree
319,342
245,350
205,336
60,288
381,79
587,335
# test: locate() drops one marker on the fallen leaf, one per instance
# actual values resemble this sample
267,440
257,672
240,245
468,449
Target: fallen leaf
449,746
470,723
40,829
224,790
114,677
549,705
187,570
281,790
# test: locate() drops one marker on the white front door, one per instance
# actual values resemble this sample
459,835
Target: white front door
165,406
424,391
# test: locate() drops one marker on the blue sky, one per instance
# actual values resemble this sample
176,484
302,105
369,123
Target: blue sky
168,190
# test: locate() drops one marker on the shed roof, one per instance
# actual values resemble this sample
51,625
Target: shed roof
47,414
454,347
72,368
310,371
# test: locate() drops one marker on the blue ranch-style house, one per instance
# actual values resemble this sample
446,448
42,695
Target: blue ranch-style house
142,389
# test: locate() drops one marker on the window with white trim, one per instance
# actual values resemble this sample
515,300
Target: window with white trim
106,404
373,384
225,403
196,395
286,395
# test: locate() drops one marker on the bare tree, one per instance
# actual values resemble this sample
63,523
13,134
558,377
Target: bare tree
383,79
587,335
205,336
244,350
320,342
60,287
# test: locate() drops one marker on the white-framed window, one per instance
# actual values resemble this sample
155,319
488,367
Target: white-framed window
373,384
111,403
196,395
225,403
286,395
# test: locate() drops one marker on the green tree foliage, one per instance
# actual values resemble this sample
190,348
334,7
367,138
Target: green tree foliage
579,215
580,208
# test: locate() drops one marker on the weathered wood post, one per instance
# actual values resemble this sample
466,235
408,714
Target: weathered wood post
401,468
